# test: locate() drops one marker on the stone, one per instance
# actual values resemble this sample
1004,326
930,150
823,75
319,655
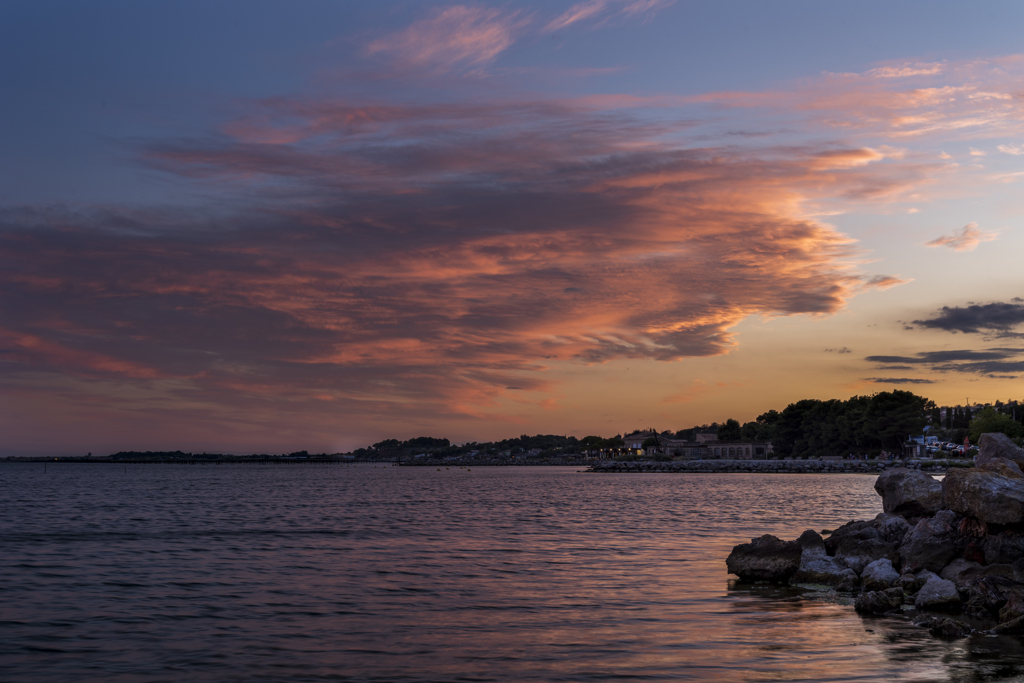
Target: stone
767,558
957,568
945,627
851,531
857,554
987,496
1015,627
996,445
1017,569
909,493
879,602
987,595
1001,466
931,545
911,582
1013,609
938,594
879,575
1005,547
818,568
891,528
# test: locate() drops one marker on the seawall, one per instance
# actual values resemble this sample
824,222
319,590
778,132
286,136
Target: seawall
777,466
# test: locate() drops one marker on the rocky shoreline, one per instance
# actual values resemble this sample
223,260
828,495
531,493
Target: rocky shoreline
938,551
778,466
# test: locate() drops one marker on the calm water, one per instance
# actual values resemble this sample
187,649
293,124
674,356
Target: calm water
310,573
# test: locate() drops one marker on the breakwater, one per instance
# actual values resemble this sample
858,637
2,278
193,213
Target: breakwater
776,466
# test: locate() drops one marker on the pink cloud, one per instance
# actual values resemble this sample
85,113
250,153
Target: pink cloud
966,238
414,262
457,36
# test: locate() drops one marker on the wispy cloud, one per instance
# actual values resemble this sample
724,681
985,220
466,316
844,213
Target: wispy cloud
471,37
603,10
964,239
906,70
1015,150
457,36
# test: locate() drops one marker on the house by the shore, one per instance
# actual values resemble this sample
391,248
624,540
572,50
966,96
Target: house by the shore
706,448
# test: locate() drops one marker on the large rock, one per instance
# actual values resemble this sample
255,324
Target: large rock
910,493
857,544
988,496
879,602
1005,547
959,568
938,594
858,554
912,582
765,559
891,528
998,446
879,575
988,595
851,531
817,567
1002,466
931,545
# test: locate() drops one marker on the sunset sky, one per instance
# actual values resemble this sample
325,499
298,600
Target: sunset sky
256,226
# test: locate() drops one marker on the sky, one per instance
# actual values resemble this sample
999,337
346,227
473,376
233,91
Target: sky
252,226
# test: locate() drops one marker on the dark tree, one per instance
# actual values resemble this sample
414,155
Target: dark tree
730,431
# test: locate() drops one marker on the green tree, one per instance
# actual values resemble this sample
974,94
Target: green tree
730,431
989,421
892,416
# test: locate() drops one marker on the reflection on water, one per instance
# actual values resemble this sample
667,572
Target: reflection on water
408,574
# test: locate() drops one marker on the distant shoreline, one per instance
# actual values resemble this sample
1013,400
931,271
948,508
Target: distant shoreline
776,466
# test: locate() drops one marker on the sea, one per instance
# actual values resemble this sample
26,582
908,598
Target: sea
312,572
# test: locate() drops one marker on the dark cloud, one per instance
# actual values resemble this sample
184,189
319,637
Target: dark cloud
989,362
995,318
899,380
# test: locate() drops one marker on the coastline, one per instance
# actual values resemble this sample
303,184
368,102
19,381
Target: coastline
777,466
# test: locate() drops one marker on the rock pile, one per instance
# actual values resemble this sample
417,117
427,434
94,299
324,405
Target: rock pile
950,547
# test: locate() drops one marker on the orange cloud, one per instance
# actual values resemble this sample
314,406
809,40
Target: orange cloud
410,261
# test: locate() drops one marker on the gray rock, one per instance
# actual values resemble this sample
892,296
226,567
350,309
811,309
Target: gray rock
818,568
931,545
955,569
988,496
1014,607
947,517
910,493
945,627
987,595
879,575
911,582
998,446
1015,627
858,554
891,528
851,531
1003,466
1005,547
765,559
879,602
938,594
1017,569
